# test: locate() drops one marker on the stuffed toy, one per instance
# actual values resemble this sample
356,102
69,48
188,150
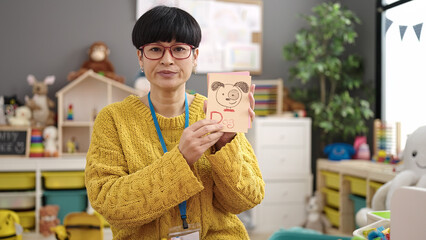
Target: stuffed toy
50,136
290,105
98,62
10,227
48,219
22,117
316,219
414,174
40,103
2,115
339,151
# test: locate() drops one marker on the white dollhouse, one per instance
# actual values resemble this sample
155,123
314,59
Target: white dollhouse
78,104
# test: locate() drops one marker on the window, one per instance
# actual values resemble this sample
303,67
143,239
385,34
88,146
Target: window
403,93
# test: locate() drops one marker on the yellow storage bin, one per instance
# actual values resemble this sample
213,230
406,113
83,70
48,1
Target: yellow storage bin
332,215
63,180
332,179
103,220
375,185
332,197
358,185
27,219
17,181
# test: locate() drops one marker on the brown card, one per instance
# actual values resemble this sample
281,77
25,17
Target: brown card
228,100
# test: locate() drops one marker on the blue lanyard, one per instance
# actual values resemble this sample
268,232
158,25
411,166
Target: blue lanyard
182,206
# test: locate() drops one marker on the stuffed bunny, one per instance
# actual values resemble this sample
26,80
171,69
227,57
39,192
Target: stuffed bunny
414,174
316,220
40,103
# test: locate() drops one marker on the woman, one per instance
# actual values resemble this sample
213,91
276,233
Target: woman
155,164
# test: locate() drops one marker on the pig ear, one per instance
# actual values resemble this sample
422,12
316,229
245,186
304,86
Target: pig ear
49,80
31,79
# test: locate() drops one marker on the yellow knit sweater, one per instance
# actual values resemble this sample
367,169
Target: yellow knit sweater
138,188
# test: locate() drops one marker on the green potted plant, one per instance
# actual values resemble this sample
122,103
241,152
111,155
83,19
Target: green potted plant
334,76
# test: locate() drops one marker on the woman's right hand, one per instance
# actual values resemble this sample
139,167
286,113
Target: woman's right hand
199,137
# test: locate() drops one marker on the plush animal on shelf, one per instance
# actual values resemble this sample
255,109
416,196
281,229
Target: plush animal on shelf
2,115
315,219
40,104
290,105
48,219
22,117
50,136
414,174
98,61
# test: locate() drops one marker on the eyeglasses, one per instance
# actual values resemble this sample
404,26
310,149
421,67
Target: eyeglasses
154,51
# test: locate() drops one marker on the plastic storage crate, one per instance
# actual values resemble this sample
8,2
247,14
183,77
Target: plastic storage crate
63,180
358,185
17,200
358,202
332,179
332,215
382,223
68,201
17,181
27,219
375,185
332,197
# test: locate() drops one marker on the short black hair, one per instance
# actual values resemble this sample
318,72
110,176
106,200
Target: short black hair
165,24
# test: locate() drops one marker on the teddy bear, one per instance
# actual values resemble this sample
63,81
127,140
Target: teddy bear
290,105
98,62
22,117
414,174
315,219
50,136
40,103
48,219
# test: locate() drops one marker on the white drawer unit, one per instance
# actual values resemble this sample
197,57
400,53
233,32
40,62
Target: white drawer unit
283,150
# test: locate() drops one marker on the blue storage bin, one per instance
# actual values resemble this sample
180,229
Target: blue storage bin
68,201
359,202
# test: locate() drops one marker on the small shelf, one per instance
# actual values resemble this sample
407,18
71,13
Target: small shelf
343,173
77,124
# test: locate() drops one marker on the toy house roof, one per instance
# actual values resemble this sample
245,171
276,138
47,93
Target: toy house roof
90,74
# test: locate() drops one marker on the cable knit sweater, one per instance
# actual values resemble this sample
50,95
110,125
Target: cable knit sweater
138,188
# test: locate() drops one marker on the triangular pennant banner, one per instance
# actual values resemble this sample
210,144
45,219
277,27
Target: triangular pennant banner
418,29
388,23
402,31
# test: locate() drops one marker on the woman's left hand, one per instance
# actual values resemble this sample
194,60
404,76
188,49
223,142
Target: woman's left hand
228,136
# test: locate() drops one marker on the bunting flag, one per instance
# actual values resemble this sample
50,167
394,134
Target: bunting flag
418,29
388,23
403,28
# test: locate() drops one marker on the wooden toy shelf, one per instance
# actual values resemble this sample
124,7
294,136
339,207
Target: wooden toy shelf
37,166
368,175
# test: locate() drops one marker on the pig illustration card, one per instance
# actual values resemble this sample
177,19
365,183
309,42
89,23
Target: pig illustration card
228,100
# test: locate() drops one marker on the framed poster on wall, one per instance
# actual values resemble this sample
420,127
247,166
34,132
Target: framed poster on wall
224,46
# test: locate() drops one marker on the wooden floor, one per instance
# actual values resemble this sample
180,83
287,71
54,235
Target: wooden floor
259,236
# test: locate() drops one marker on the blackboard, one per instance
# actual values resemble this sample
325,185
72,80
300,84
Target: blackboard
14,141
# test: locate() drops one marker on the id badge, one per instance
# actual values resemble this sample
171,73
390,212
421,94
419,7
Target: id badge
191,233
